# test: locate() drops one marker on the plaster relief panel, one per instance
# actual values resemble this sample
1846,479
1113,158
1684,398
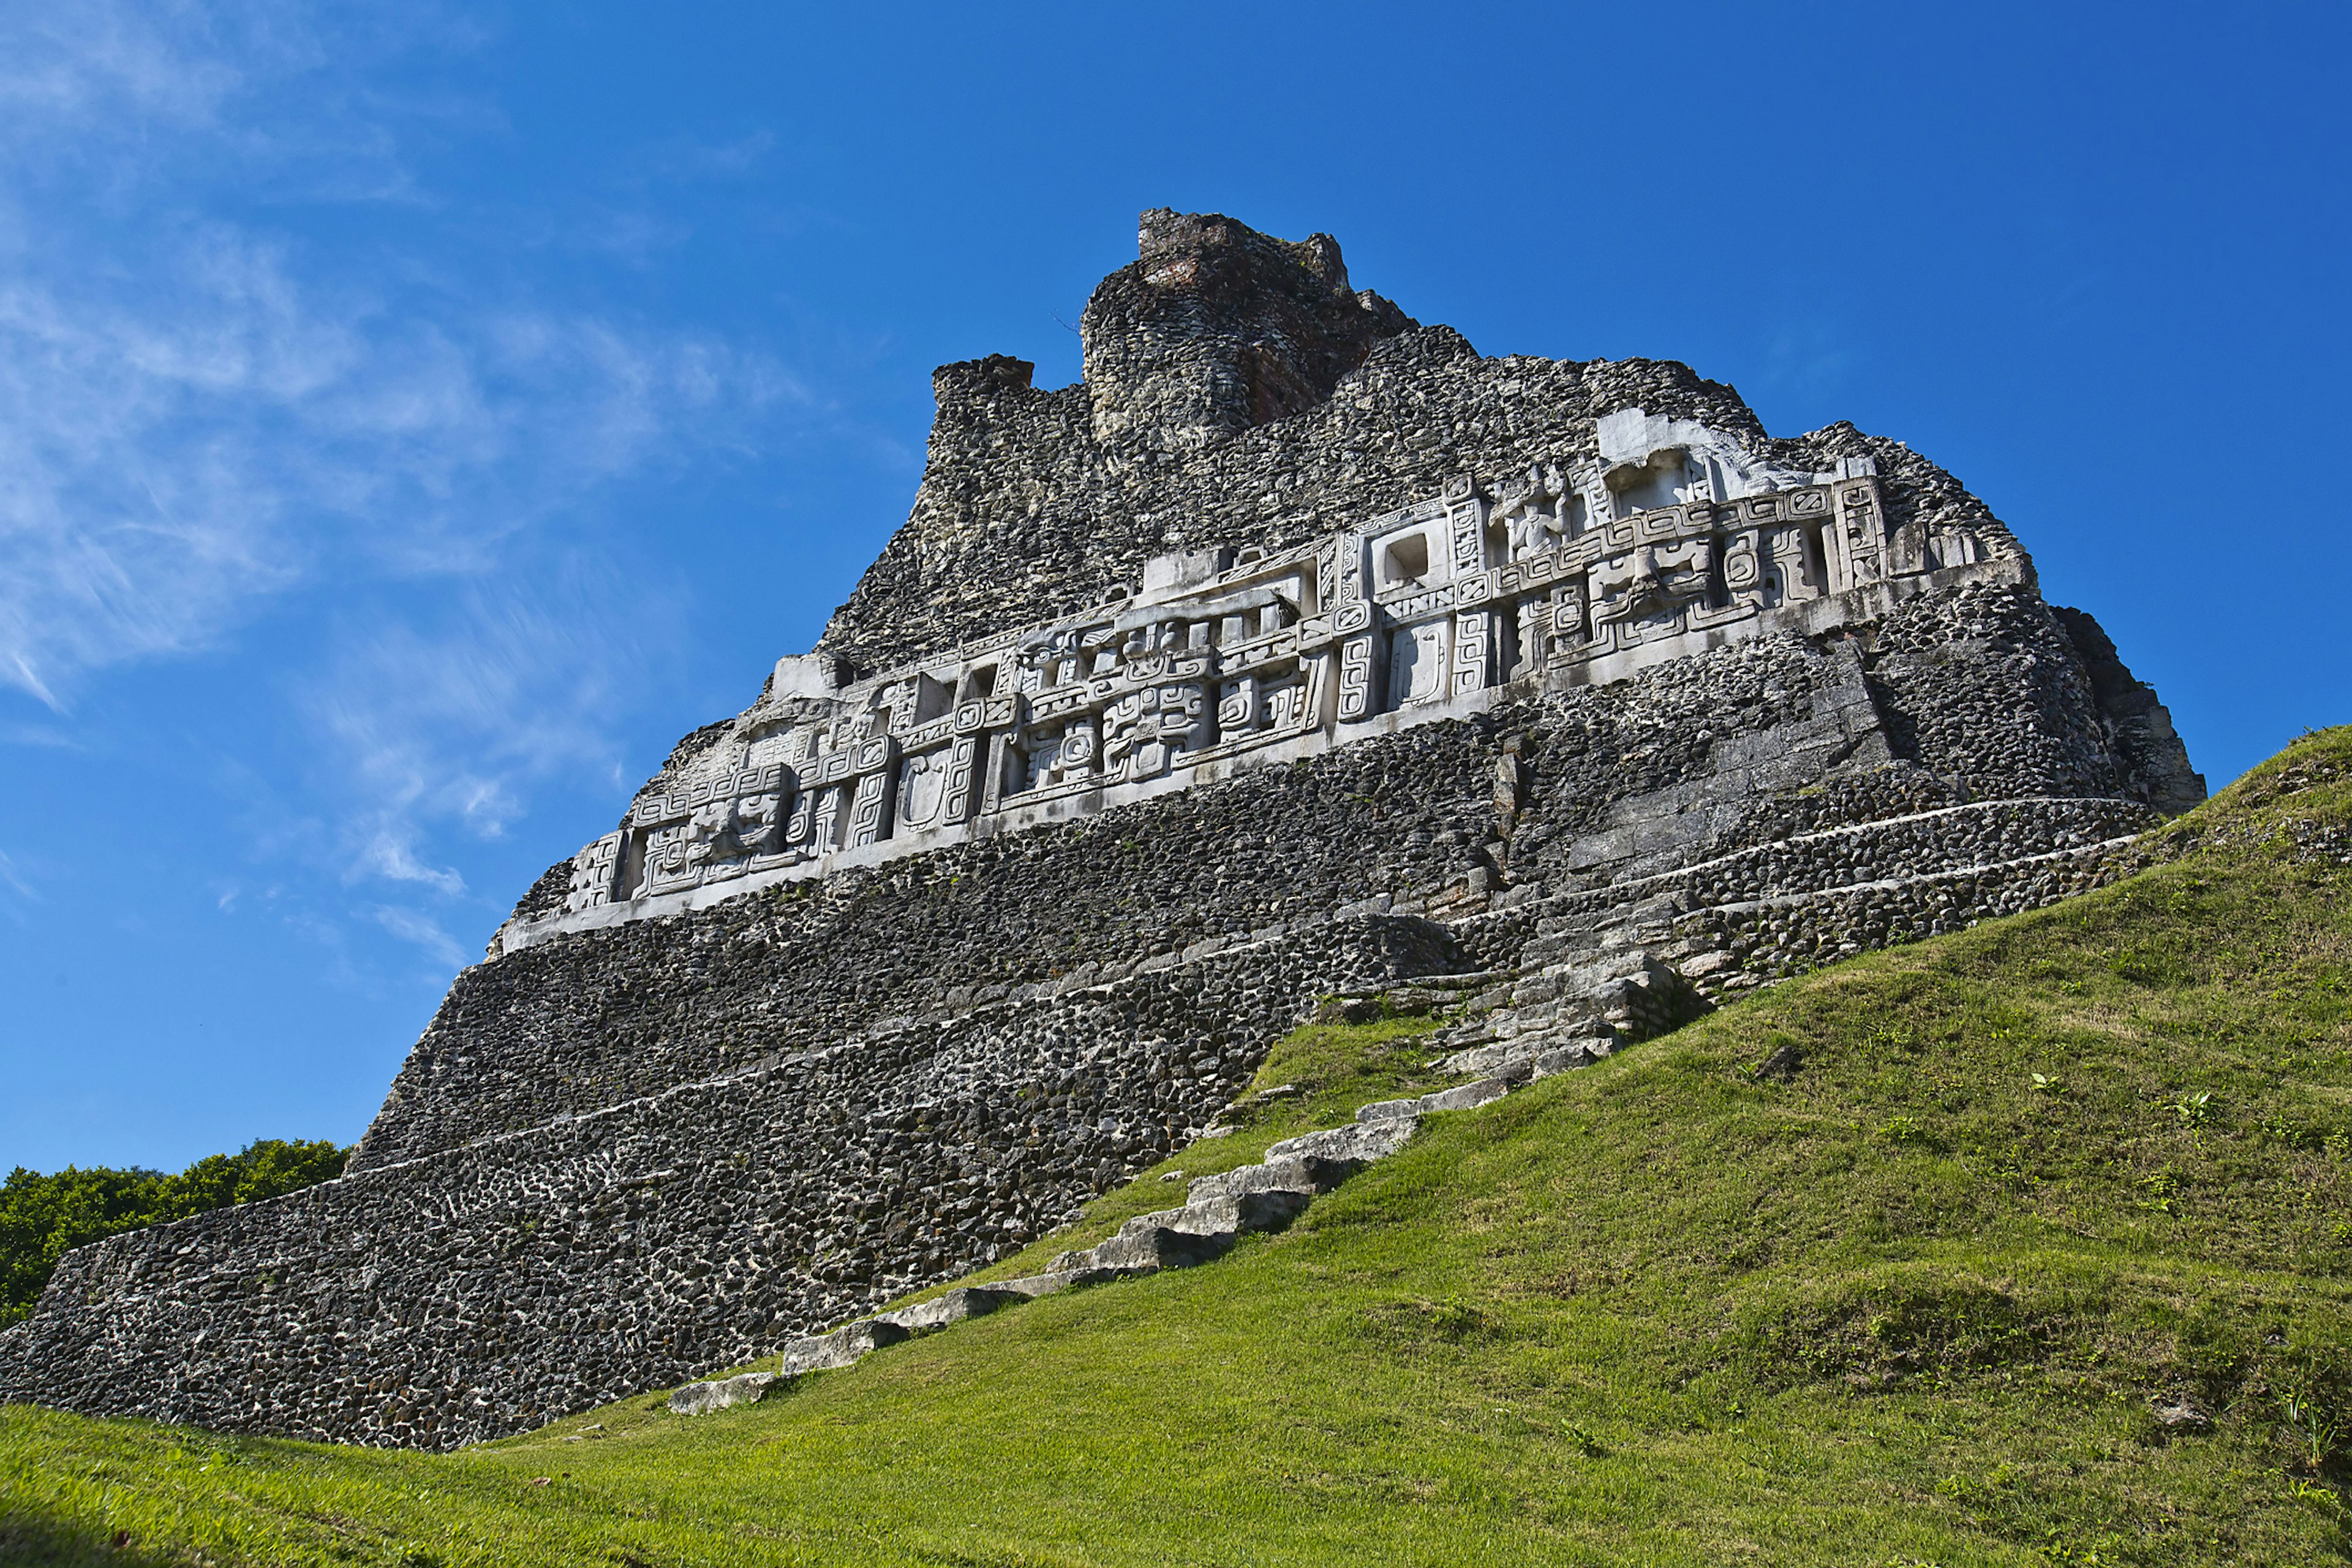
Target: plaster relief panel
1146,733
1417,666
1644,594
1431,607
923,790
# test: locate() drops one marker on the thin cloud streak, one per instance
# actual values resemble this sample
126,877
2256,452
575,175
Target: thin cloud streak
422,930
448,727
172,463
24,889
198,415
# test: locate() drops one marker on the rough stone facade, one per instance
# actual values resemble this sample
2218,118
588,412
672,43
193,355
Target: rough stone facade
1297,649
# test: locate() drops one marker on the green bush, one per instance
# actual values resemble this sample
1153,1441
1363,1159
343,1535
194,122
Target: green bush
42,1218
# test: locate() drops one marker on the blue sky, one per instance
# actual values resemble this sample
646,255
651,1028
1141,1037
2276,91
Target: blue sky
412,421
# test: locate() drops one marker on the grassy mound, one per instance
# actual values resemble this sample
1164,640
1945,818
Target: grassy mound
2042,1252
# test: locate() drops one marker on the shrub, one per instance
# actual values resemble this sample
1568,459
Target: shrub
42,1218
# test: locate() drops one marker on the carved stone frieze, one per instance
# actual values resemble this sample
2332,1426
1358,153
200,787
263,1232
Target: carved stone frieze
1668,541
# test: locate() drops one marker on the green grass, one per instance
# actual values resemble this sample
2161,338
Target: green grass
1915,1303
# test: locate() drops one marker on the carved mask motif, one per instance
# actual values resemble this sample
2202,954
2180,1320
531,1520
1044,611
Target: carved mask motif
1653,583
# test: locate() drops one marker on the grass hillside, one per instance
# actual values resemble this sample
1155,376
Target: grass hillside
1918,1301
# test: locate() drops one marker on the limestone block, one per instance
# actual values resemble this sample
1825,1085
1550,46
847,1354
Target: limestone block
1504,1058
1148,1248
702,1398
950,1307
1567,1057
1167,577
808,675
1365,1140
1294,1173
1463,1098
841,1348
1242,1213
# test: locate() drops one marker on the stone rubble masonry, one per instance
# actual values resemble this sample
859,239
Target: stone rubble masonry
643,1144
597,1016
493,1286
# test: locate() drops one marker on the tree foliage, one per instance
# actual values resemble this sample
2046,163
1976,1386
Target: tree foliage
42,1218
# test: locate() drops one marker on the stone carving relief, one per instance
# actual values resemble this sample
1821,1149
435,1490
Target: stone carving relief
1648,590
1146,731
1666,533
594,870
1417,669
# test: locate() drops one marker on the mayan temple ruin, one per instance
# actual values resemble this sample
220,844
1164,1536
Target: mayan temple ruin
1296,651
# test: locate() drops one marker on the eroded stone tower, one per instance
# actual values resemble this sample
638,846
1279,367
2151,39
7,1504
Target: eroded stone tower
1297,648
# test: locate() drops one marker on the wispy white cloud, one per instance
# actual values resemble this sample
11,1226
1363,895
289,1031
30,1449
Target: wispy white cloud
198,413
447,725
422,930
177,447
16,882
49,736
214,407
95,65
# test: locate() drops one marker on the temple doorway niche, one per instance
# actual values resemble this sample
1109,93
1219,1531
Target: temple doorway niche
1667,477
1404,560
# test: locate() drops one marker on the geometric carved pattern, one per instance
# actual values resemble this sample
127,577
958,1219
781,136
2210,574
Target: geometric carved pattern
869,815
1430,604
961,776
1356,695
1471,652
593,870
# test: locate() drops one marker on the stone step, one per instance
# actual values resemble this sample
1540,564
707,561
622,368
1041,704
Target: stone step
1532,1056
1147,1250
1469,1032
702,1398
842,1347
1466,1097
1234,1213
1294,1173
1360,1141
954,1307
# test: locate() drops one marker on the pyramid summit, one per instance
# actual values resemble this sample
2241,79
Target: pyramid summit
1295,649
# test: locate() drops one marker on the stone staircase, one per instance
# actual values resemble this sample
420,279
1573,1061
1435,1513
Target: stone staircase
1217,1212
1578,1002
1577,999
1581,975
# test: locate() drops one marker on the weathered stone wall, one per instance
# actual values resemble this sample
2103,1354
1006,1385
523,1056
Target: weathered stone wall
1686,762
2139,731
1984,686
596,1015
489,1287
